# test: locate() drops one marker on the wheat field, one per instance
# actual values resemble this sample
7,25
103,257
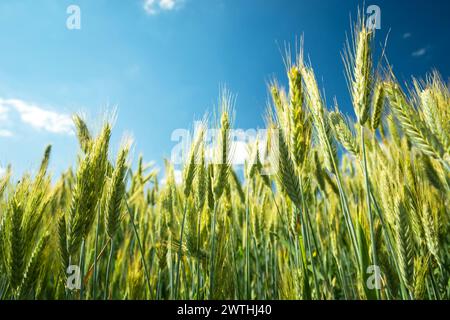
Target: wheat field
358,207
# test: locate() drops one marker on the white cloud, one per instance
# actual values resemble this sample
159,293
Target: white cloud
5,133
38,117
407,35
150,6
3,113
419,53
2,171
167,4
153,7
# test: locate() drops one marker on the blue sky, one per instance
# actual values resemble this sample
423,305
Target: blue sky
162,63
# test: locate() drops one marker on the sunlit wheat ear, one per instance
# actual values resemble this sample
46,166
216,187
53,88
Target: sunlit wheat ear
190,169
287,174
431,234
115,192
83,134
428,103
434,100
378,100
410,122
300,135
442,94
277,101
343,133
321,123
358,64
88,187
420,272
98,162
283,112
295,88
223,157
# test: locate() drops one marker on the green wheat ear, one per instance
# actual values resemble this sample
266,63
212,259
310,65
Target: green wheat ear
34,267
44,163
378,100
83,134
358,64
420,272
410,122
404,243
301,128
287,175
431,234
115,193
190,170
88,188
15,244
223,148
343,133
321,121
